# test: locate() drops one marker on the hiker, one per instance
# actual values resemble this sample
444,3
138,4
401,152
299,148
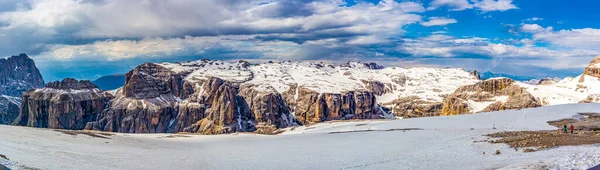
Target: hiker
565,129
572,127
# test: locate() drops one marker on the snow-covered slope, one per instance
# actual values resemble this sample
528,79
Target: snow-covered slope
427,83
568,90
438,143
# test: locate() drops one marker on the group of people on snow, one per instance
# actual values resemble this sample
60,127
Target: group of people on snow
571,128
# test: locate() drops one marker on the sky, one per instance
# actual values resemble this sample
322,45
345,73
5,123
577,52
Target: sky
86,39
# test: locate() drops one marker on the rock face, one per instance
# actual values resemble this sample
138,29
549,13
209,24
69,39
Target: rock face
548,81
493,94
593,69
312,107
17,75
475,74
68,104
9,109
376,87
145,104
413,106
158,98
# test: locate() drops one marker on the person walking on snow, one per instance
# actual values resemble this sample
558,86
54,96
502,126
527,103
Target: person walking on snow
565,129
572,127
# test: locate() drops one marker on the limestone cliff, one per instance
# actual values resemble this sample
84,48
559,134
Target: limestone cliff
68,104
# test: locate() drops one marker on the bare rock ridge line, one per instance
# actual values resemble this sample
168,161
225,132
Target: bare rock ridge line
17,75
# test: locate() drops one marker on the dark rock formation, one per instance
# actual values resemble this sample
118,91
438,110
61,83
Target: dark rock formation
376,87
268,110
312,107
475,74
68,104
71,84
18,74
150,80
147,103
9,109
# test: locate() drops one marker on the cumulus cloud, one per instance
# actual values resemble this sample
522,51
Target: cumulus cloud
79,25
584,38
476,47
482,5
494,5
533,28
456,5
438,21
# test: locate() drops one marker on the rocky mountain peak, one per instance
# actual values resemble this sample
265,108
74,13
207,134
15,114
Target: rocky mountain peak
71,83
475,74
372,66
593,69
18,74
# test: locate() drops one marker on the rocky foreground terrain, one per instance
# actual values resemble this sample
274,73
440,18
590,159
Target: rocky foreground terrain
216,97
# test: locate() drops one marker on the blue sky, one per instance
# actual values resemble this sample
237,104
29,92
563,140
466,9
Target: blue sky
86,39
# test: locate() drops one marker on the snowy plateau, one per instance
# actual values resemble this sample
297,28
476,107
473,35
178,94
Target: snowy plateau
441,143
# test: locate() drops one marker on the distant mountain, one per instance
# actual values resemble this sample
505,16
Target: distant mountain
17,75
110,82
488,74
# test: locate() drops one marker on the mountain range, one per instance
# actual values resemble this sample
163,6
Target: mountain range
215,97
110,82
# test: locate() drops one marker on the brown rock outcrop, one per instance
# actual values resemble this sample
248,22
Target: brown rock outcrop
312,107
593,69
486,91
413,106
267,109
150,80
68,104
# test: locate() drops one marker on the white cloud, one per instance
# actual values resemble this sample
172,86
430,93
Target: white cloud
533,28
533,19
115,29
475,47
494,5
438,21
456,5
482,5
586,38
143,18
